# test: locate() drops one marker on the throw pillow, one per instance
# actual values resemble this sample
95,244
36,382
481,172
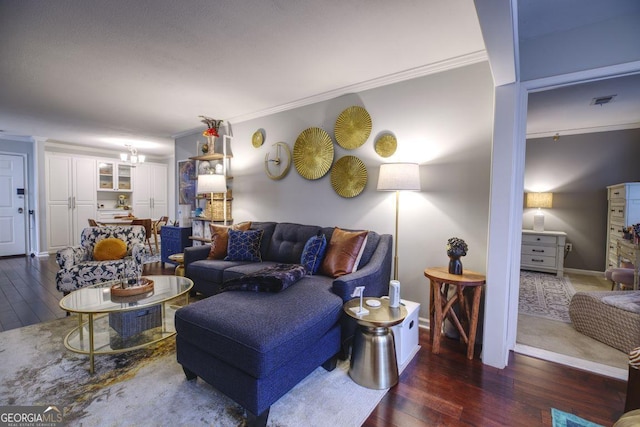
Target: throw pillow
220,238
271,279
109,249
342,252
357,263
313,253
244,245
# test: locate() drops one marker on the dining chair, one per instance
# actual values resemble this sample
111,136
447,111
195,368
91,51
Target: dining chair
157,225
148,228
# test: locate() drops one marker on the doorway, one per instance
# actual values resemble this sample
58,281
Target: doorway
13,209
567,131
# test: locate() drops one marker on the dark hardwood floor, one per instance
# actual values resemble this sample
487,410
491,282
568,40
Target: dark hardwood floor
434,390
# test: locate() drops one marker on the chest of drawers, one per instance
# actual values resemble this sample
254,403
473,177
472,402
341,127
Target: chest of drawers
623,211
543,251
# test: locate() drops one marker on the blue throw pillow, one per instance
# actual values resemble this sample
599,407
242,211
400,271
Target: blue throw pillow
313,253
244,245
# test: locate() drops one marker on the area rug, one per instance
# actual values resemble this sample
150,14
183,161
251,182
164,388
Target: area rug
148,387
564,419
545,295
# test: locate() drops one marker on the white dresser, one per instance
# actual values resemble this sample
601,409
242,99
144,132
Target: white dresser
623,211
543,251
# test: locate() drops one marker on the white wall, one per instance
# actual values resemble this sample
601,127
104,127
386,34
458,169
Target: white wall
442,121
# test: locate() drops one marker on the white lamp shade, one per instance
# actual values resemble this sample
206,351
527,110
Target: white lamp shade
539,200
212,183
399,176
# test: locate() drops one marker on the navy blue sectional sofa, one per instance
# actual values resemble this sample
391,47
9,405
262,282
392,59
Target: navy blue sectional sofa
255,346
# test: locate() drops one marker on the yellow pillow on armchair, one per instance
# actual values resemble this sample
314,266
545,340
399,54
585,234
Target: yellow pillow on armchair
109,249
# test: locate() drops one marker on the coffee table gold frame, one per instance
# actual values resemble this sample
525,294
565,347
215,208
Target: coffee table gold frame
94,336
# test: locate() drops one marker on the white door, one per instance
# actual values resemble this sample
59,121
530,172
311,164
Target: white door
84,198
59,192
159,191
141,191
13,215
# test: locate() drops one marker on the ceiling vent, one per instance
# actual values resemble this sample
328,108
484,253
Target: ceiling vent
601,100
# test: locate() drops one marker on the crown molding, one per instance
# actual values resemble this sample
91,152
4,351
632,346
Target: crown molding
436,67
578,131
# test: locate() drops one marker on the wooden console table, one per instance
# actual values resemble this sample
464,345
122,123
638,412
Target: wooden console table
441,307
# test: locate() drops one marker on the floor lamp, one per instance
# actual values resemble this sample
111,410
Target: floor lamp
398,177
214,183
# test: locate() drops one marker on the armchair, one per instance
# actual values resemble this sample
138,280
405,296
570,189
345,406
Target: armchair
79,269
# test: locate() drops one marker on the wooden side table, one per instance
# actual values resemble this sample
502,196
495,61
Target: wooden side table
441,307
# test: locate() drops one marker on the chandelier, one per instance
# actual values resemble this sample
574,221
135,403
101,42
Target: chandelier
132,156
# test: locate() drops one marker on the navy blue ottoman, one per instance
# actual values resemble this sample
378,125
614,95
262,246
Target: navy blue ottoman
255,346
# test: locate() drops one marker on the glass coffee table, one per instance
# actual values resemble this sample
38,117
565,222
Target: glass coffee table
120,324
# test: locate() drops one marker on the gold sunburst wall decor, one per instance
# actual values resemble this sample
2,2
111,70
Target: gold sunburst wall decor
313,153
386,145
257,139
352,128
348,176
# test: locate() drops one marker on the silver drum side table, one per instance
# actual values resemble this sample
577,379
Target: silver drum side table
373,358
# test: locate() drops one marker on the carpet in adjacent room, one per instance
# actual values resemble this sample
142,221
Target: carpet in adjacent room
545,295
148,388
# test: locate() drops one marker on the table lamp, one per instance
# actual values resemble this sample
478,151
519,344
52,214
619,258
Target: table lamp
214,183
539,200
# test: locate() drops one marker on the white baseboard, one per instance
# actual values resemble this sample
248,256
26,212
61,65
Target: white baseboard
574,362
584,272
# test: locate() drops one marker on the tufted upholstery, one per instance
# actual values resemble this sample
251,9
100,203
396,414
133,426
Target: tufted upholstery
79,269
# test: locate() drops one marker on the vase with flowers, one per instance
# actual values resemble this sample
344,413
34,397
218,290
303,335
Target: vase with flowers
456,248
211,133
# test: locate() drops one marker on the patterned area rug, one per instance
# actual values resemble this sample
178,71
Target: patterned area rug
564,419
545,295
148,388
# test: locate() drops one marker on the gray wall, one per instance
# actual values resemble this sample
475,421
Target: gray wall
442,121
563,52
577,169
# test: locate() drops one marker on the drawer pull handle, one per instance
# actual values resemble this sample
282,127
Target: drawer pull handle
616,193
538,250
538,239
620,210
537,260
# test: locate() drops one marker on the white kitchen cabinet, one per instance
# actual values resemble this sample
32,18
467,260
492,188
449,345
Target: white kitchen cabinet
543,251
114,176
71,198
150,193
623,211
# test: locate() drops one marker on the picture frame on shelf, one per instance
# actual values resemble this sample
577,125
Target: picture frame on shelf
187,176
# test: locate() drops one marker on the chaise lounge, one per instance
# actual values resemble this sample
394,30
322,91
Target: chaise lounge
611,317
255,346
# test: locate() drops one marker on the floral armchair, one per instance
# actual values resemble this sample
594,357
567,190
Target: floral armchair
79,269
